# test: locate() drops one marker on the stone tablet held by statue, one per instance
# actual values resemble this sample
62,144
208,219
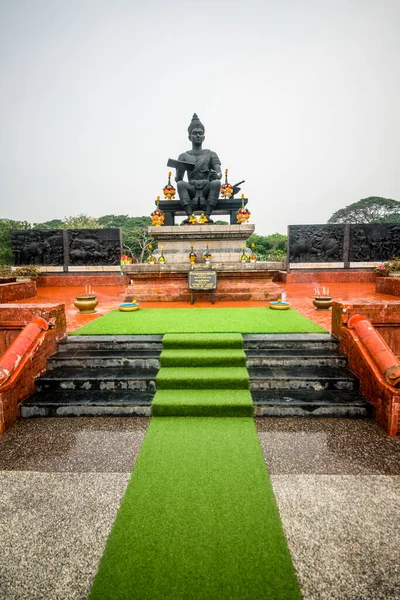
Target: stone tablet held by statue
203,168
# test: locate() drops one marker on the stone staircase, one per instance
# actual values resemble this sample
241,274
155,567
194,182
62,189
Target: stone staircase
98,376
290,375
301,375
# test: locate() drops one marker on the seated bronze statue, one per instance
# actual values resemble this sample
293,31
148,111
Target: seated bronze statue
203,168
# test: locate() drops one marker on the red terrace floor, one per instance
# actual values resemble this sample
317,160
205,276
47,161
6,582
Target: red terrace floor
300,296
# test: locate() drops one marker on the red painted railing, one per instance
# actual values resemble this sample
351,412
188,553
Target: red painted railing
380,352
26,343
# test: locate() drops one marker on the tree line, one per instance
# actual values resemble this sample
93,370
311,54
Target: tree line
135,237
136,240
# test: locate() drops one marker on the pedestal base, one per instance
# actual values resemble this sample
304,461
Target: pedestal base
224,241
169,284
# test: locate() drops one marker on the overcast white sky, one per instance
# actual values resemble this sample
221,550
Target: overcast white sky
301,98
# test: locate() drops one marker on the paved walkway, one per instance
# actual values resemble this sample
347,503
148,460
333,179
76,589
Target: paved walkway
336,482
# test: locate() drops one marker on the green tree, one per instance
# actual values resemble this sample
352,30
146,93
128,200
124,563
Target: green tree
135,238
268,247
124,221
81,222
6,226
53,224
368,210
136,242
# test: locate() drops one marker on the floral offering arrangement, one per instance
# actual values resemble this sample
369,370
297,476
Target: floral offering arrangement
169,190
151,260
193,219
242,214
203,218
207,254
253,257
157,216
161,259
125,260
192,255
244,257
226,188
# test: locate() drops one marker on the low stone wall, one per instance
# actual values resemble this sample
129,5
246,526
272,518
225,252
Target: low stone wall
388,285
20,290
79,280
328,277
385,317
231,286
13,319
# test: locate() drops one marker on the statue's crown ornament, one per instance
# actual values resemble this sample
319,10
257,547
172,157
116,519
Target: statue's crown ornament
195,122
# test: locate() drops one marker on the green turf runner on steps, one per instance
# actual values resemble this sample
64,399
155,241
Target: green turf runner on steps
202,403
205,357
200,320
214,378
198,520
203,375
202,340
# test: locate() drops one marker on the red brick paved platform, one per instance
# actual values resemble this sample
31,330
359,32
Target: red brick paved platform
299,295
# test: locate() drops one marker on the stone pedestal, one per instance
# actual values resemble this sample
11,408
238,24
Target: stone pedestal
169,282
224,242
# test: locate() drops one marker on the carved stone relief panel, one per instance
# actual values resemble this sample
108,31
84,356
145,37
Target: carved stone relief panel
86,247
94,247
37,247
374,242
316,243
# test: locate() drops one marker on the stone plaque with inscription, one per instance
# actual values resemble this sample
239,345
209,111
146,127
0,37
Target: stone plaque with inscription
203,281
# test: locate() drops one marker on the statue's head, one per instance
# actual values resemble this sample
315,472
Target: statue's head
196,130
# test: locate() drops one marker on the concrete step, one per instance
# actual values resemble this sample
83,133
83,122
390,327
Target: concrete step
290,375
294,357
111,343
84,403
289,341
110,378
82,359
310,403
293,378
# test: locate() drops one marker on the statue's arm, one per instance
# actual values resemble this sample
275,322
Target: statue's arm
215,164
179,171
179,175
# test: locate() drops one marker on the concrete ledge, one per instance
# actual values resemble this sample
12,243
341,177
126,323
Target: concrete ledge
20,290
388,285
317,265
203,232
79,280
344,276
236,267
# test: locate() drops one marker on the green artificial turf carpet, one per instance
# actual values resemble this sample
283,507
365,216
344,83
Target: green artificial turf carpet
200,320
202,340
200,403
203,358
182,378
203,375
198,520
